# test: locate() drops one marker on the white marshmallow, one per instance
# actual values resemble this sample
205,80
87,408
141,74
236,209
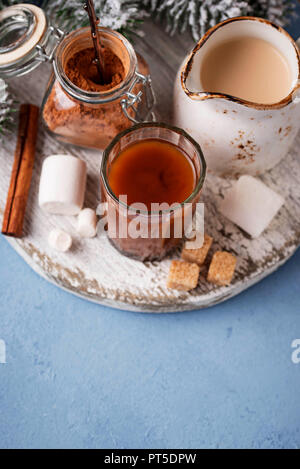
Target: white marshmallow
87,223
60,240
251,205
62,185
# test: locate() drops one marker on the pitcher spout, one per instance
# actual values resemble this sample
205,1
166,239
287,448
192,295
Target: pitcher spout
190,79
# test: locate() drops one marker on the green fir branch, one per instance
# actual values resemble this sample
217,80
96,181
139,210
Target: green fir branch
198,16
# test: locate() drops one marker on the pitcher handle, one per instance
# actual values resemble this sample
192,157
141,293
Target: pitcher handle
296,96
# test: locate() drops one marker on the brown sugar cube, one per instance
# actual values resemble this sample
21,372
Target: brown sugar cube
198,255
183,276
221,269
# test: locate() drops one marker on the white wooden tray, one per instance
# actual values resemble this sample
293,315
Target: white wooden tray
94,269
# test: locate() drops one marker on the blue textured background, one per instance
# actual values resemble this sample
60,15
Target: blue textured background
81,375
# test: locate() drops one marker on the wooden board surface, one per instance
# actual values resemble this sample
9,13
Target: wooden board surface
93,268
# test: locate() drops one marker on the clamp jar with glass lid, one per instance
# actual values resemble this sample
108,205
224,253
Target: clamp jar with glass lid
77,109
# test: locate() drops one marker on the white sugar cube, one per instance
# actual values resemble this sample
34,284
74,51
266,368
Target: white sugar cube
251,205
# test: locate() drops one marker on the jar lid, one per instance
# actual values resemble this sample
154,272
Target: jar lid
21,28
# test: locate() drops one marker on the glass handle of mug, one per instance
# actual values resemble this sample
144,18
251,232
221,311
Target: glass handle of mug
132,101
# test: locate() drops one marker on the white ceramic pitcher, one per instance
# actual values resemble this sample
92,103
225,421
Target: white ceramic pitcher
237,136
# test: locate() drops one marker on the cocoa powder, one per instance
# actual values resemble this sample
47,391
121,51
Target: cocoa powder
81,70
80,123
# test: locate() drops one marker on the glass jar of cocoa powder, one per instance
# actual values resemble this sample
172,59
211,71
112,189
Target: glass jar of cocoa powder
77,109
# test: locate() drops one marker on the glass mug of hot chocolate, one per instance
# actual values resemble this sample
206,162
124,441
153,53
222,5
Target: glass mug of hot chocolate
151,180
237,94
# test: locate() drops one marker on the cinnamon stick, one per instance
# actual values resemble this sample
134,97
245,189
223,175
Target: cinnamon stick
21,172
